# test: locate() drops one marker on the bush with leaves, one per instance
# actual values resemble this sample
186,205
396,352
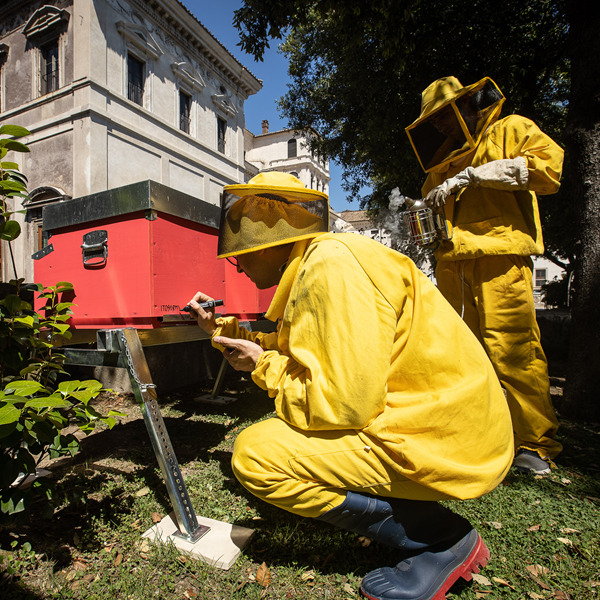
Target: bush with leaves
37,400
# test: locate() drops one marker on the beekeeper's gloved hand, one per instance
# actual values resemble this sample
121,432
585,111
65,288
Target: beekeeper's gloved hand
504,174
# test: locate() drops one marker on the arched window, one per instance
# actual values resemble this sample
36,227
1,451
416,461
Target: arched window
292,148
38,198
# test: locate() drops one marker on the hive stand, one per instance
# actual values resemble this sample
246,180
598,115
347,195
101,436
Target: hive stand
215,542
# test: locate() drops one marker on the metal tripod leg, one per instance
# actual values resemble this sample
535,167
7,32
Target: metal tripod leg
128,341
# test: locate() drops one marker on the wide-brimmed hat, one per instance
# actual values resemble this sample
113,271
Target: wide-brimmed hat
271,209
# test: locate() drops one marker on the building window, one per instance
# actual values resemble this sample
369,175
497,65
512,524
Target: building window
292,148
541,278
49,67
221,131
43,31
135,79
185,111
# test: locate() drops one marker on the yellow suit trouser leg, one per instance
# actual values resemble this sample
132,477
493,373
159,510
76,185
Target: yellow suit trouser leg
309,472
494,294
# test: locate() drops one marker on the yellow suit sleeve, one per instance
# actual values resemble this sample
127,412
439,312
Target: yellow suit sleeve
230,327
544,156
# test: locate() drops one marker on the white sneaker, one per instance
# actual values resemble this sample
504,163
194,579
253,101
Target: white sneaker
528,461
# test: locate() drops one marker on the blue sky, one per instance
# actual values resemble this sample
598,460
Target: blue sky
217,17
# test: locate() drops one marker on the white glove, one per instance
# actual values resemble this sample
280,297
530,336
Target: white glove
504,174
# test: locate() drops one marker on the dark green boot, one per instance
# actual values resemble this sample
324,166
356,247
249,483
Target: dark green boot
438,545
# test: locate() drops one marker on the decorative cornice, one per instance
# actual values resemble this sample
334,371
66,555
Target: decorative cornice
139,37
44,21
223,103
186,73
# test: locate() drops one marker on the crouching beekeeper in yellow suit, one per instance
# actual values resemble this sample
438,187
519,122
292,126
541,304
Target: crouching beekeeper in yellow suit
487,172
385,401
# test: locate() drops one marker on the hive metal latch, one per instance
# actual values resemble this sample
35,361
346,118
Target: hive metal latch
95,248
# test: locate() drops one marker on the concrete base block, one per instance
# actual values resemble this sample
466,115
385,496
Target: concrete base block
219,547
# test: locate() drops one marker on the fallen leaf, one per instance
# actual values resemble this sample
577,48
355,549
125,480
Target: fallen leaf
569,530
109,547
182,559
263,575
535,596
482,594
495,524
156,517
80,564
503,582
534,528
565,481
118,559
308,575
533,571
143,492
561,596
349,589
364,541
481,580
190,594
76,539
537,570
565,541
136,524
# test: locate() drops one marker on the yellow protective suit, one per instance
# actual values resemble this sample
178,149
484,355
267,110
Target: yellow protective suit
379,386
485,270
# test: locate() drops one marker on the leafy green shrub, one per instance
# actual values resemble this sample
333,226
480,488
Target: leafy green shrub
36,406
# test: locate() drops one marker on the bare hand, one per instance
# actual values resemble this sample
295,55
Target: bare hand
205,316
242,355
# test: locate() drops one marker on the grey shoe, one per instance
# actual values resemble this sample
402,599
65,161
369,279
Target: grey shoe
528,461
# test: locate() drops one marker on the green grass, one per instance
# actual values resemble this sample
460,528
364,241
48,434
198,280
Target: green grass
543,533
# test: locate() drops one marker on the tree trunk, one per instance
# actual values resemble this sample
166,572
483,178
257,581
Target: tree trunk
582,393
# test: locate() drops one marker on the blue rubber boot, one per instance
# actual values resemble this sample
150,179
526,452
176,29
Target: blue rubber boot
438,546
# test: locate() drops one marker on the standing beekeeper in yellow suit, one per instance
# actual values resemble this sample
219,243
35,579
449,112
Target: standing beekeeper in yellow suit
487,172
385,401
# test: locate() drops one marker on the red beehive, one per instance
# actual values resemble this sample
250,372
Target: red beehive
136,254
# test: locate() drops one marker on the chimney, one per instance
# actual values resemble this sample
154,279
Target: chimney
265,126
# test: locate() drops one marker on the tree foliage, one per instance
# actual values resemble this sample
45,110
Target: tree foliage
357,70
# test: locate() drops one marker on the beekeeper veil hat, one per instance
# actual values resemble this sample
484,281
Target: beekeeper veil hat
453,120
273,208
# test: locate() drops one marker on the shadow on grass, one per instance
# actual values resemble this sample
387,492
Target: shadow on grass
12,589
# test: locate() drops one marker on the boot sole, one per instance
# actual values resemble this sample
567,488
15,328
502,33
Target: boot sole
476,560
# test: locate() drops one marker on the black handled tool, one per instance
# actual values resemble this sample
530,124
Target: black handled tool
210,304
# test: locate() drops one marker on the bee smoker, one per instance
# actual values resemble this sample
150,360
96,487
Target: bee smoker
424,226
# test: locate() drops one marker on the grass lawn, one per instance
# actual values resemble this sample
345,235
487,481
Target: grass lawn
543,533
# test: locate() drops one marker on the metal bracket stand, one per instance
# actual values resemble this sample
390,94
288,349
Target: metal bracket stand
215,396
130,347
214,541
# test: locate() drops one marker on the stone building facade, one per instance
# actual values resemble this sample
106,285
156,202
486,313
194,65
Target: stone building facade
115,92
288,151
